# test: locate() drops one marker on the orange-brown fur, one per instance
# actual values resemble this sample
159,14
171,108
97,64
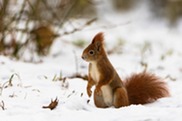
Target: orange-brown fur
110,91
145,88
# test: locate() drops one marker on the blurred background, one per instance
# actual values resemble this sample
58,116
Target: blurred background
34,25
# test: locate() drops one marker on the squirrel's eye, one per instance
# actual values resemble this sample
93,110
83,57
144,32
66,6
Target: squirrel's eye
91,52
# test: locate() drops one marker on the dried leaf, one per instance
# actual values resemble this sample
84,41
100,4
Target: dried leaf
84,77
52,105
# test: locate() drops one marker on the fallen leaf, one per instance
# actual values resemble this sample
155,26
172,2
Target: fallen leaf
52,105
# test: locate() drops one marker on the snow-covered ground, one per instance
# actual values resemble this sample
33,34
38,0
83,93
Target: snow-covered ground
144,39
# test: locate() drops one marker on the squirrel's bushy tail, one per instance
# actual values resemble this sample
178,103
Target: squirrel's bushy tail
145,88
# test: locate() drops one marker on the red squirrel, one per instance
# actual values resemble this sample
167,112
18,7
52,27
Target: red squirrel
110,90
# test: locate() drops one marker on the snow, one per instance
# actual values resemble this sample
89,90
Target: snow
33,84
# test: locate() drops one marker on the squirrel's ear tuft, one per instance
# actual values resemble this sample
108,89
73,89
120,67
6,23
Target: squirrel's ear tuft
98,38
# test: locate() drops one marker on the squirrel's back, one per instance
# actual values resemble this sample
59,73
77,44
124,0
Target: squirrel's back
145,88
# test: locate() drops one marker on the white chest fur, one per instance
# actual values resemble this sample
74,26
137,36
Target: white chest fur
107,95
106,89
94,72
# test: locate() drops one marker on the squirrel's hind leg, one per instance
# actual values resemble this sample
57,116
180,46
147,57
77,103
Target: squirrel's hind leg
120,97
99,101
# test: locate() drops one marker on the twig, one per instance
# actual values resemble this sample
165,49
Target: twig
71,94
112,26
2,105
50,9
8,83
22,10
79,29
145,65
84,77
66,14
170,77
65,33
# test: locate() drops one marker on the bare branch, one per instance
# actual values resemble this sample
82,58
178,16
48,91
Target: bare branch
2,105
79,29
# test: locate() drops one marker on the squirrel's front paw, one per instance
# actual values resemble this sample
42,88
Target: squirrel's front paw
89,92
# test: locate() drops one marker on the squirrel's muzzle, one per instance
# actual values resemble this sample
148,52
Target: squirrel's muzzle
83,57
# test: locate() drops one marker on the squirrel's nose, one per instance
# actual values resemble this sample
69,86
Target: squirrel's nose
83,57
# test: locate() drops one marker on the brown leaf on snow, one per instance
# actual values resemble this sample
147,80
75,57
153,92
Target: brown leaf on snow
52,105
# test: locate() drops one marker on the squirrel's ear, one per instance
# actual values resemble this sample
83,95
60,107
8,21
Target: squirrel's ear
98,40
